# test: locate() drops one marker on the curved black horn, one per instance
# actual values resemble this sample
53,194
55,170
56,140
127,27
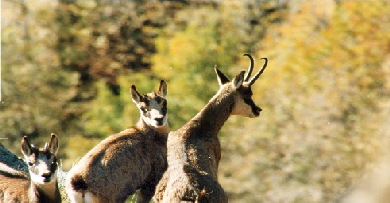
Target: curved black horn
248,74
259,73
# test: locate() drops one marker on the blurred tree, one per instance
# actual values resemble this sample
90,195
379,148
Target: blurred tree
200,37
35,90
103,39
322,96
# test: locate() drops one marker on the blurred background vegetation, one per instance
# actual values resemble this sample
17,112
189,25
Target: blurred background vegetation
67,66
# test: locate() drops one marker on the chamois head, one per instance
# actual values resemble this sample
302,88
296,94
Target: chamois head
153,106
42,163
241,89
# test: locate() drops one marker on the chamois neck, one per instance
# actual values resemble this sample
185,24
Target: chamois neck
213,116
45,192
162,130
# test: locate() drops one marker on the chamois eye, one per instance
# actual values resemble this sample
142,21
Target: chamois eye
30,163
247,94
162,102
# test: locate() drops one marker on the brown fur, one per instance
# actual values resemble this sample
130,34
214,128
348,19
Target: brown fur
19,189
122,163
194,153
13,187
16,186
194,150
127,161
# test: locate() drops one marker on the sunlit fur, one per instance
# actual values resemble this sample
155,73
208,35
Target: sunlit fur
41,184
131,160
194,150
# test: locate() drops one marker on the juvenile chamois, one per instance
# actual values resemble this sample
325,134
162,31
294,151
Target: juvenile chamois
40,185
127,161
194,150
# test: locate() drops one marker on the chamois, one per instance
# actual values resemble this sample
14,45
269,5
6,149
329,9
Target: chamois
194,150
40,185
127,161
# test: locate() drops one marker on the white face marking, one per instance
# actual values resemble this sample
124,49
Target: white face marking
40,168
38,179
152,106
153,112
244,105
243,109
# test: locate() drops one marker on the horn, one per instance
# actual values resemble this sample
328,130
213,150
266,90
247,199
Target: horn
259,73
248,75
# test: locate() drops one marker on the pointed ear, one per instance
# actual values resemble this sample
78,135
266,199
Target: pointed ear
222,79
53,145
26,147
239,80
162,90
135,95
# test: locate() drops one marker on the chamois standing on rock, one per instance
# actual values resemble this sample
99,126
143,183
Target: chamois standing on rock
194,150
40,185
127,161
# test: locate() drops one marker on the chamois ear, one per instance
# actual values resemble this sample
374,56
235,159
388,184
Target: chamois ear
239,80
53,145
135,95
222,79
162,90
26,147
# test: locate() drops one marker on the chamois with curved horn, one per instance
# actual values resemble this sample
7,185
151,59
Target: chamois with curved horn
40,184
134,159
194,150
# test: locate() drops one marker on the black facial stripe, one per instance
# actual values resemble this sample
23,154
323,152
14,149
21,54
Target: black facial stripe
246,92
252,104
53,166
164,110
33,157
164,107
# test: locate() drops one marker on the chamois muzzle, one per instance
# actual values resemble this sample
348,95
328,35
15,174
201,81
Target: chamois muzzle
47,177
256,111
160,120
